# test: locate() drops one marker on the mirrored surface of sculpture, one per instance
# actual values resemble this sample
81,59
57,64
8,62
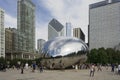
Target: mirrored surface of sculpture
63,52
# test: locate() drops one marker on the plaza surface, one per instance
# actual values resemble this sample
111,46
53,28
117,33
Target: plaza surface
58,75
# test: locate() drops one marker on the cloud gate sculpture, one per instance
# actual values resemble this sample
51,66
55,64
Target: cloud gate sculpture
63,52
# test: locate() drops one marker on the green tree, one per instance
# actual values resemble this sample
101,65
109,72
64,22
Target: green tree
92,56
116,57
102,56
110,54
2,60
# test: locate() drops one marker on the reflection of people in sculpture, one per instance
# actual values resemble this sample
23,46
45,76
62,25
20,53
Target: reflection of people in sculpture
61,65
76,67
41,68
53,64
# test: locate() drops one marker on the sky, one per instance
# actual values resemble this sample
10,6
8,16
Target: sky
73,11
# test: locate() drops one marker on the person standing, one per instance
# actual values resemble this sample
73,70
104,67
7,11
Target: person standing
41,68
22,68
99,67
34,67
119,69
26,66
113,67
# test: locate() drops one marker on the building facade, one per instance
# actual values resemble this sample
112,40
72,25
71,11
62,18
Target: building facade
11,43
12,49
40,44
55,29
104,24
68,30
2,34
8,42
26,25
78,33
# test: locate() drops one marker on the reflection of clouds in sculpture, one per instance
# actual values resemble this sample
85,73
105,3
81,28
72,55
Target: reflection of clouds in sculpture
62,46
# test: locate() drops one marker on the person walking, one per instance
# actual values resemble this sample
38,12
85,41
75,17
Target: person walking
92,70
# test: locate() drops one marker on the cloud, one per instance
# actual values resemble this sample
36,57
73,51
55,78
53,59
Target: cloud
41,31
10,21
74,11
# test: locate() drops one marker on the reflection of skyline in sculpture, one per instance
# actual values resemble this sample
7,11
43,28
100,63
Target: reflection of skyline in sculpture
62,46
69,50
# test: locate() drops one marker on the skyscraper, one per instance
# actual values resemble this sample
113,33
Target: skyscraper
104,21
55,29
26,24
68,30
14,45
78,33
40,44
2,34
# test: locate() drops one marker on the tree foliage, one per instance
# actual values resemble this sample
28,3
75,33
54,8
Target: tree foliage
104,56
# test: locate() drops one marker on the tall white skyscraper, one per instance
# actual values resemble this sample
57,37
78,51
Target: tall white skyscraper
55,29
2,34
104,21
68,30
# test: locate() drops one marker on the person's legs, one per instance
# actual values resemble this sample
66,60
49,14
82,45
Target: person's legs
119,72
21,71
90,73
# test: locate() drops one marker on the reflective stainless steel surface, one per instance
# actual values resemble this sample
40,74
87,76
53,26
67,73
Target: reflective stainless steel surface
63,52
62,46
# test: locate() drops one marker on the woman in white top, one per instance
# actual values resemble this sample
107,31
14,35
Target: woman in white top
26,66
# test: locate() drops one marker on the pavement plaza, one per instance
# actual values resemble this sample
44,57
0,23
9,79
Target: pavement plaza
58,75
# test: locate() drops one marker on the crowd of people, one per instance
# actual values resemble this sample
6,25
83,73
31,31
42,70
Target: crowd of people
33,67
92,67
22,67
3,67
115,68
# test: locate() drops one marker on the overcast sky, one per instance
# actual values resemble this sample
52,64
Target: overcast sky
74,11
